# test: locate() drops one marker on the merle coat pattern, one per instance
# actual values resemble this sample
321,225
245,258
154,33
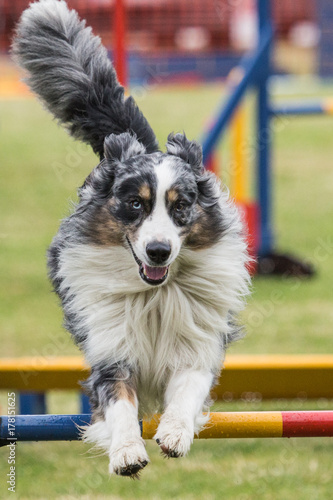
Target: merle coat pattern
151,267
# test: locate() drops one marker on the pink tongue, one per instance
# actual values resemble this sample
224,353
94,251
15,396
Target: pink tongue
154,273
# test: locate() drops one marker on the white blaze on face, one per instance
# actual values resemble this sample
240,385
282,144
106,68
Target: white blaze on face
159,226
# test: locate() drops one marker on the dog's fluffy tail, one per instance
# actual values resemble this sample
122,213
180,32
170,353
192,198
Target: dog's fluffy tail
68,68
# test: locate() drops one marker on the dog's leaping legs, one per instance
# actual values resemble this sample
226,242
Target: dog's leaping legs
184,399
116,427
127,451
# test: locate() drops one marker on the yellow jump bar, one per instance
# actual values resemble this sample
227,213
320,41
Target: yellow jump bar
265,376
231,425
263,424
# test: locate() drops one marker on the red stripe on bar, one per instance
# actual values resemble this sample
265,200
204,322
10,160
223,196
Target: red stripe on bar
307,423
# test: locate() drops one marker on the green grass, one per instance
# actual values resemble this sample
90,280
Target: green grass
238,469
40,170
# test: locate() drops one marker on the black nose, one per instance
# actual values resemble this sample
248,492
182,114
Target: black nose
158,252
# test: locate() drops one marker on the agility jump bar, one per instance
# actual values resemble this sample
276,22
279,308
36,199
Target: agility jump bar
264,424
270,376
323,107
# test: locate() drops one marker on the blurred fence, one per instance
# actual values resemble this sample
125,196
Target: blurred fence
172,25
167,39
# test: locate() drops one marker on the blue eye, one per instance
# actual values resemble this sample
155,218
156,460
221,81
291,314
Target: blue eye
136,204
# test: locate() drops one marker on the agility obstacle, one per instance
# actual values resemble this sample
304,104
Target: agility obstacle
270,375
254,72
243,377
325,22
265,424
119,28
318,107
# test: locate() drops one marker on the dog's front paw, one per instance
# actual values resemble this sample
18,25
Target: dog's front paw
174,436
128,459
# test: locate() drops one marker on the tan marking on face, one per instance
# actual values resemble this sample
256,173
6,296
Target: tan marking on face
105,230
111,202
200,235
172,195
144,192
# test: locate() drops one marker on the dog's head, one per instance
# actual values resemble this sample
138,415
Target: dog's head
153,204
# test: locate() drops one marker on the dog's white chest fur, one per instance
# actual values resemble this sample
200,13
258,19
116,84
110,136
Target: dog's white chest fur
181,324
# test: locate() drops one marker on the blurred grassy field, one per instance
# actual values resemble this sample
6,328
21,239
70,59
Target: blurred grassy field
40,170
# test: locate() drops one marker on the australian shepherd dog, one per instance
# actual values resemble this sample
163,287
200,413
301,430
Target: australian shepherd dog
151,267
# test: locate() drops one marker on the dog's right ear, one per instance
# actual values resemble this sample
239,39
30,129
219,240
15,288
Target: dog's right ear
122,147
117,149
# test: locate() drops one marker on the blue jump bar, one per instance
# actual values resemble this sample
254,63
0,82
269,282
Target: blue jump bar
42,428
302,109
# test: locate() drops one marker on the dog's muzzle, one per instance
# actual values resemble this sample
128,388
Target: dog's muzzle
158,253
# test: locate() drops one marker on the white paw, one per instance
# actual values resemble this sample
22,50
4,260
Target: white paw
174,436
129,458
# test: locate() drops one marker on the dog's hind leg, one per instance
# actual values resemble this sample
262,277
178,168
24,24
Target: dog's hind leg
115,419
185,397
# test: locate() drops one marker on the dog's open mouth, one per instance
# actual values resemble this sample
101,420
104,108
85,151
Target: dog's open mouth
153,275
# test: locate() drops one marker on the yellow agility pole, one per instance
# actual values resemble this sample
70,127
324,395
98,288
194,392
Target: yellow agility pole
240,182
240,166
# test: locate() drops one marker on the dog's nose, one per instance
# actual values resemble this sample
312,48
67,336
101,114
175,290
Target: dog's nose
158,252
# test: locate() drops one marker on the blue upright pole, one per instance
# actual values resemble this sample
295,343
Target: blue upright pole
85,403
32,403
264,181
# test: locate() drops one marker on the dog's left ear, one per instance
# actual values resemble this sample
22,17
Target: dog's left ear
189,151
121,147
